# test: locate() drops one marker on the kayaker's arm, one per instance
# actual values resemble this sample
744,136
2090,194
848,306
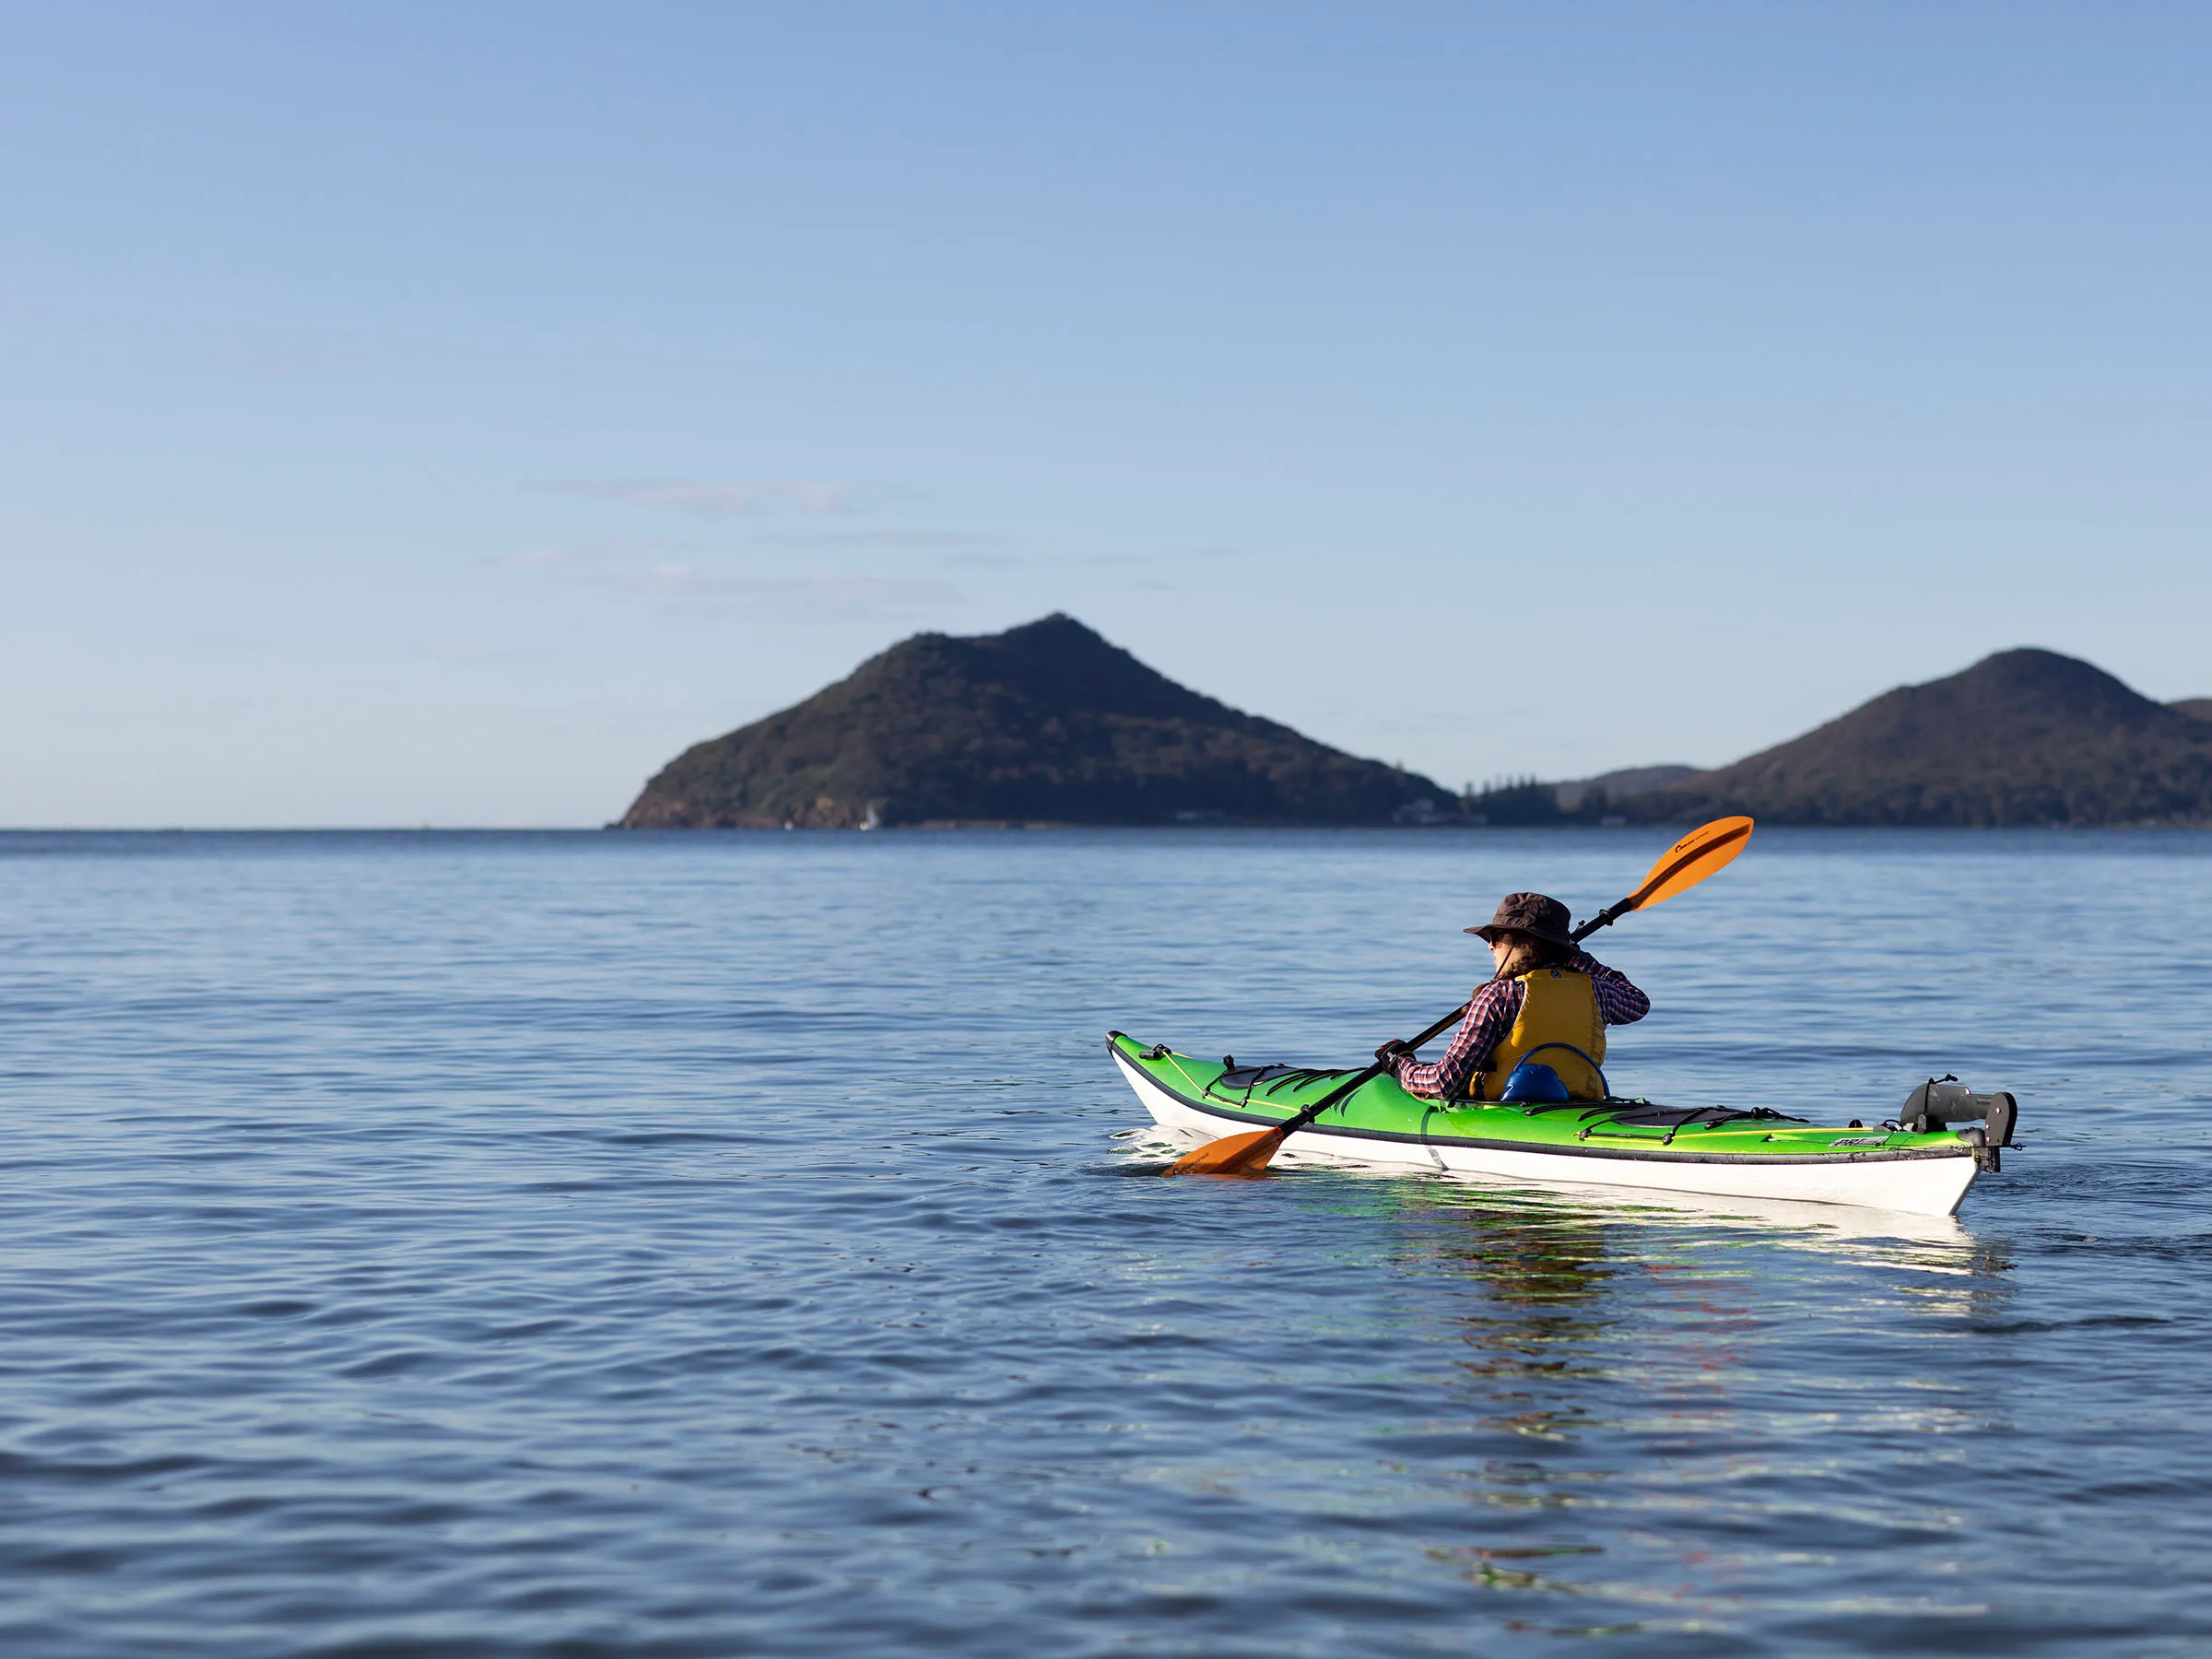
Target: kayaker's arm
1489,1016
1618,1001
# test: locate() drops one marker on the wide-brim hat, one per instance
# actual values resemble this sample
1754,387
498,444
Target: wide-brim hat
1536,914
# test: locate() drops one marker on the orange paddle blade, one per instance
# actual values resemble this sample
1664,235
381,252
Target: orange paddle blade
1691,859
1232,1154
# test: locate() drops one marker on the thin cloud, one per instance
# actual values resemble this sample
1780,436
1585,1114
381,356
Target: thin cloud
473,655
621,549
788,598
278,361
720,501
938,540
1183,556
980,553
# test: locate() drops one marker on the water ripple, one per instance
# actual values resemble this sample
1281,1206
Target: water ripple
663,1245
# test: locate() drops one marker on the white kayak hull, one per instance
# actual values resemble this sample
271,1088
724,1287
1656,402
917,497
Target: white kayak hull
1918,1186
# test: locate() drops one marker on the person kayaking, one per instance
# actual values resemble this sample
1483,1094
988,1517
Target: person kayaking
1549,1003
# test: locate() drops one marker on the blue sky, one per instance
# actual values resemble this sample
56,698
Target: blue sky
432,414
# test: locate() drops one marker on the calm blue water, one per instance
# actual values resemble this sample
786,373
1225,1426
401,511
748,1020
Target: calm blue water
595,1244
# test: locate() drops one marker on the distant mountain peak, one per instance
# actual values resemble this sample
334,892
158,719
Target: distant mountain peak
1058,625
2031,674
1045,722
2023,736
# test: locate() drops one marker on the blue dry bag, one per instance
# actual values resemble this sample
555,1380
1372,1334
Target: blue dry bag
1533,1080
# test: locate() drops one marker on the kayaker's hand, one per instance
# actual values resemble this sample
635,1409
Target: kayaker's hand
1391,1052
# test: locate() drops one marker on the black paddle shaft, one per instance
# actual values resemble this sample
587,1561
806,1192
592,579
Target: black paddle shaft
1309,1113
1605,918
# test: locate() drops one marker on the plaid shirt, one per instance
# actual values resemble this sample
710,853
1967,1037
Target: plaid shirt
1490,1014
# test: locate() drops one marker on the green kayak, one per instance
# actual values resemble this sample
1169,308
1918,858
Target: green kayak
1922,1169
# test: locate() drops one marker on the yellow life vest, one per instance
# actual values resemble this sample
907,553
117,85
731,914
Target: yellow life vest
1558,1007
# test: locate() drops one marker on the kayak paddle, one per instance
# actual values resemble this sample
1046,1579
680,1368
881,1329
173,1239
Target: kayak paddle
1697,855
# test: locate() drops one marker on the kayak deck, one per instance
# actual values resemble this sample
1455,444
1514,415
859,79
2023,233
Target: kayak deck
1757,1153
